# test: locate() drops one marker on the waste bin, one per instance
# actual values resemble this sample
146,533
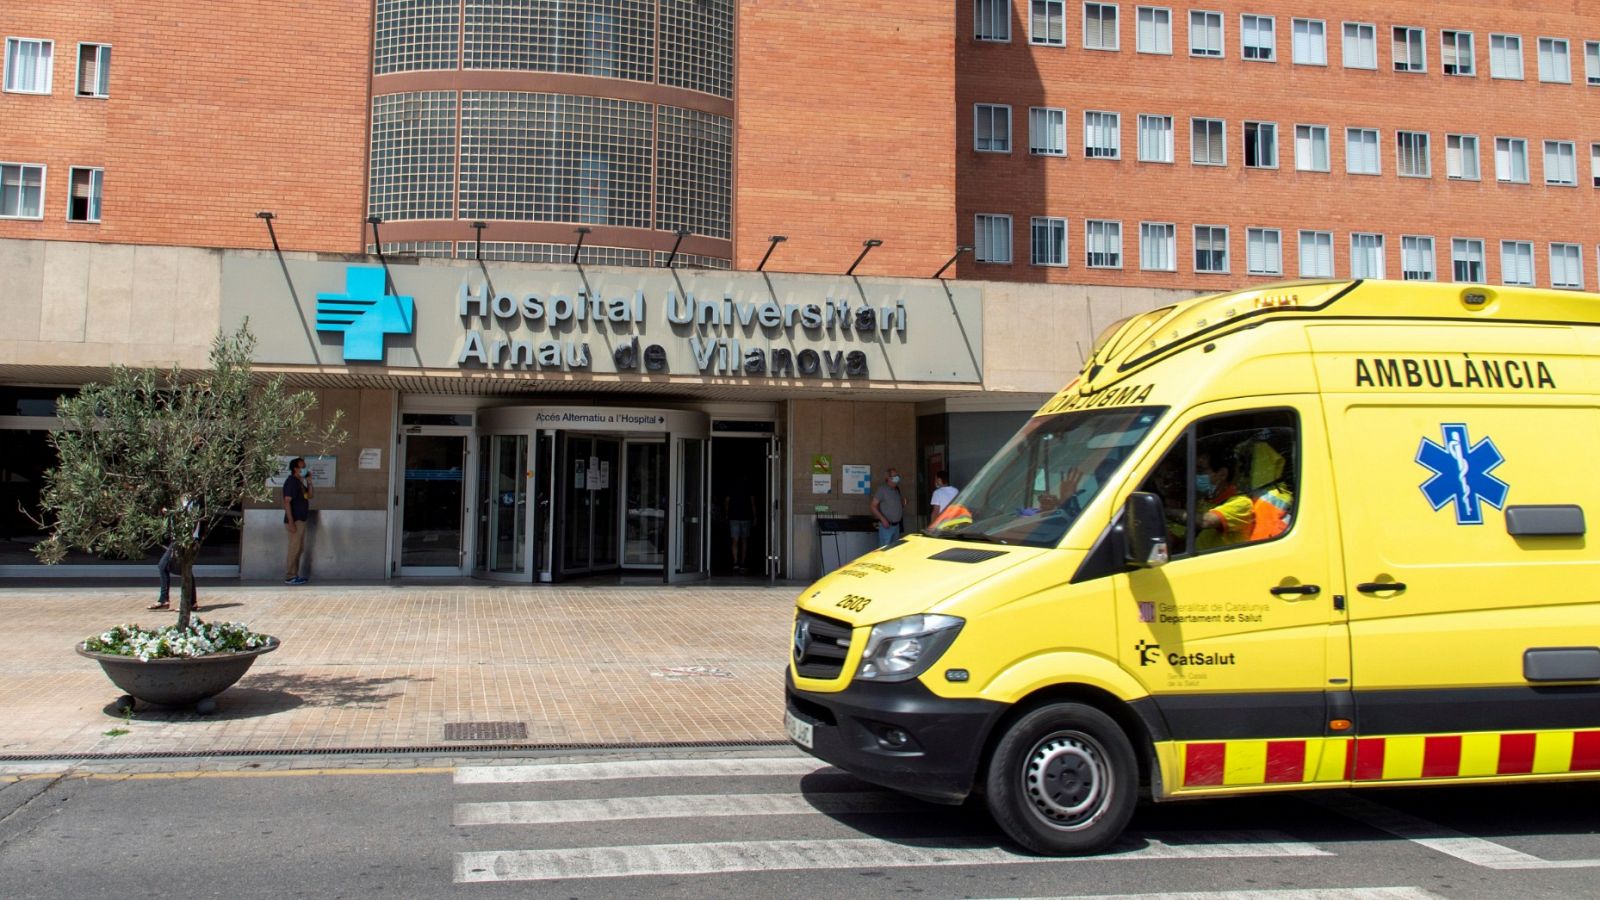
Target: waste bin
843,538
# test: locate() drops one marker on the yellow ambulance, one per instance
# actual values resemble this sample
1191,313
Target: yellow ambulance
1313,535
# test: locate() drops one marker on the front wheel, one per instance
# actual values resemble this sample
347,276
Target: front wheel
1063,780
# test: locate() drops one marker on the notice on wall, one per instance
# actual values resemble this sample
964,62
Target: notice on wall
821,484
371,458
821,464
857,480
602,479
322,470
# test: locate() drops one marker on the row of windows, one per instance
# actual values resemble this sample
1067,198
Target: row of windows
1308,39
605,38
517,251
1158,251
22,194
550,158
1208,145
30,64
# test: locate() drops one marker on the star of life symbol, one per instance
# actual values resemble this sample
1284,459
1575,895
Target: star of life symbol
1461,473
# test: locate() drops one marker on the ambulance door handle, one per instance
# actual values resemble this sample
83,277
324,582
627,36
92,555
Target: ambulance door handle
1374,587
1309,590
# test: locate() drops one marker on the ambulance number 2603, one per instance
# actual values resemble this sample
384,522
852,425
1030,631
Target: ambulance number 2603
854,602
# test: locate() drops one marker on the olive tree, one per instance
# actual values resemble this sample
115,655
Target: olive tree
156,455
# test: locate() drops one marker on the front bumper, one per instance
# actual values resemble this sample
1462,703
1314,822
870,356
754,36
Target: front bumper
854,730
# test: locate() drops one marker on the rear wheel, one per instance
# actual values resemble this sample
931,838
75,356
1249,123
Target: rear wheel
1063,780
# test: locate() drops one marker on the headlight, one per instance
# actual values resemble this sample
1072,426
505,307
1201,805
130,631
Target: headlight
902,649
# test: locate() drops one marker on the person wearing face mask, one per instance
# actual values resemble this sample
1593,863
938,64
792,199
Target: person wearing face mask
888,507
297,494
1229,515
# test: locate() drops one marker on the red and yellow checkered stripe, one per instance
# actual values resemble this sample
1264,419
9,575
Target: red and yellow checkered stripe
1394,758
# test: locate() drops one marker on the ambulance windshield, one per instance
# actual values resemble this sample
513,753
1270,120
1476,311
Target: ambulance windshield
1037,485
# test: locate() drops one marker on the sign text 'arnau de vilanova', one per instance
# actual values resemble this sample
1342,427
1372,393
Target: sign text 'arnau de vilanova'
723,333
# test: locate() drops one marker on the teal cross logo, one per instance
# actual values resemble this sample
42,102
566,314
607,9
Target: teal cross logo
365,312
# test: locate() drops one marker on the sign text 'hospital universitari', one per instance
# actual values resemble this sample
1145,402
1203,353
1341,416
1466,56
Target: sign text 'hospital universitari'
720,332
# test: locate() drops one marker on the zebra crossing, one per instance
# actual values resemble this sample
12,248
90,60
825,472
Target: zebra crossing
543,822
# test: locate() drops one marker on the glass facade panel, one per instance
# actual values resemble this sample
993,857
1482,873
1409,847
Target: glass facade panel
412,169
606,38
694,165
697,45
412,35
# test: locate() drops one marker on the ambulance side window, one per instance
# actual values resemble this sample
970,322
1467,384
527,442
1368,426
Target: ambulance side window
1230,480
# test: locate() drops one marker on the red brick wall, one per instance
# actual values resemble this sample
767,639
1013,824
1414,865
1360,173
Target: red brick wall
216,110
1236,90
844,133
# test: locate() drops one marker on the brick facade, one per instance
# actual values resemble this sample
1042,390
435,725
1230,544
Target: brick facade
845,134
1236,90
216,111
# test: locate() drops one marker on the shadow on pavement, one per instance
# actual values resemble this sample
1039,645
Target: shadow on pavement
269,694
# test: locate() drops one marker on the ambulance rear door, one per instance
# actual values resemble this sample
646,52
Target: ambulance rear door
1466,479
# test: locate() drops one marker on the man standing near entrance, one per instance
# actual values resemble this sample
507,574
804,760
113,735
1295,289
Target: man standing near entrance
297,494
889,507
739,510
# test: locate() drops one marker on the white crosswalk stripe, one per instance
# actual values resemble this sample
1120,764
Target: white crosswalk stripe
652,768
850,853
1372,893
683,806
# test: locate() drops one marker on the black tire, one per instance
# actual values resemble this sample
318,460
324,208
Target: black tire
1063,781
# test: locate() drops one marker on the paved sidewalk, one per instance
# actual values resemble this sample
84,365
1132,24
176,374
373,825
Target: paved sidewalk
392,666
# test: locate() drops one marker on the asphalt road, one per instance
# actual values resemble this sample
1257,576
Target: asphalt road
749,824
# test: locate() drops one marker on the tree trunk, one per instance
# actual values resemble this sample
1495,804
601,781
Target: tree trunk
187,597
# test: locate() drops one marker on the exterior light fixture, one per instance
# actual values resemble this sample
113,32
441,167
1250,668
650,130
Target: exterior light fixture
866,247
960,249
582,231
477,244
683,232
772,245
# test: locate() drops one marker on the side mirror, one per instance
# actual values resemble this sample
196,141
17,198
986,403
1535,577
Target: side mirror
1144,530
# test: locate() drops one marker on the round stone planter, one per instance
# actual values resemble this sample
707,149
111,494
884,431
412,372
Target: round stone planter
177,682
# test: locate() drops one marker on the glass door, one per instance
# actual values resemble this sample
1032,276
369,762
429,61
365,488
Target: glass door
774,511
431,504
591,492
691,490
508,505
644,522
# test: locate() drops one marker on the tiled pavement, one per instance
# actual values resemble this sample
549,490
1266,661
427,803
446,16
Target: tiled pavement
391,666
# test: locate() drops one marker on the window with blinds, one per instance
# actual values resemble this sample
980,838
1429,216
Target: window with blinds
1047,24
1264,251
1100,27
1566,266
1361,151
1311,148
1310,42
1154,30
1155,138
94,70
1360,45
1555,61
1049,241
21,191
1511,160
1211,249
1591,62
1208,142
1412,158
1505,56
1461,157
1455,53
1103,241
1594,163
1366,255
84,203
28,65
1516,262
991,20
1102,135
1408,51
1257,39
1047,131
1561,163
1416,258
1466,260
1158,246
991,128
1205,33
1316,254
993,242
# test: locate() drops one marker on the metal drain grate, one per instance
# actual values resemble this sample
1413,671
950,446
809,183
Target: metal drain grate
486,731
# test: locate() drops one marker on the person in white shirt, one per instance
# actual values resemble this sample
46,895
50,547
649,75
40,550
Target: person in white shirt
943,492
